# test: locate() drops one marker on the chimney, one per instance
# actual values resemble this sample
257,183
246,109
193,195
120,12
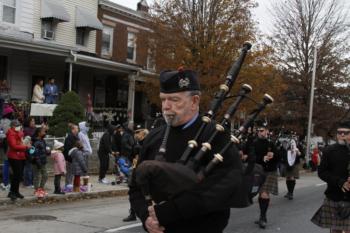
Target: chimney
142,6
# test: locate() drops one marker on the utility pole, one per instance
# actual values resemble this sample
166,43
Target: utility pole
311,108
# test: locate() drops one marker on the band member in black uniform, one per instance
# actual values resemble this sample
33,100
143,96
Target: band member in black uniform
205,207
265,155
335,171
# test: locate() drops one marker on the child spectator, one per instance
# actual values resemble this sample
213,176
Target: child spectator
39,162
79,167
59,165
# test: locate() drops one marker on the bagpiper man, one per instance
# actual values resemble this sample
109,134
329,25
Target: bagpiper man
204,208
266,156
335,171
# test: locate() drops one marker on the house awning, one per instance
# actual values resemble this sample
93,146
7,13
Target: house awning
85,19
53,10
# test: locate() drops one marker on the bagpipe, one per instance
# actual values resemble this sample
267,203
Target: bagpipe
160,180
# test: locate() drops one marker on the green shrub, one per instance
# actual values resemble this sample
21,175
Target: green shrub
69,110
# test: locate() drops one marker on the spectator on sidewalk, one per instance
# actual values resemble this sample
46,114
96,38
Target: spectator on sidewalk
84,137
79,167
5,125
39,162
69,143
51,92
4,95
16,156
38,92
59,165
104,151
140,135
315,159
127,143
29,130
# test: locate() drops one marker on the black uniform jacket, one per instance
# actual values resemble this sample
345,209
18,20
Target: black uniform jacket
206,206
333,170
259,149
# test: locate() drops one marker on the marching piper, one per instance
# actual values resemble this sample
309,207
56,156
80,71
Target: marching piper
204,208
266,156
335,171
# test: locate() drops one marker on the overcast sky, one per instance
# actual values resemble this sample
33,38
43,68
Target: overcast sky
261,13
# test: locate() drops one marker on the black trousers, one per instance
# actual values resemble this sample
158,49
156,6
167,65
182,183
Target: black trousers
104,165
57,183
17,167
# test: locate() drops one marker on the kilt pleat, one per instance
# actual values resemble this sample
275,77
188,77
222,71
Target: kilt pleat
326,217
293,171
271,183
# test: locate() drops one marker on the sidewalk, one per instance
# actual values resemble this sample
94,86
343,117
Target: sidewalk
98,190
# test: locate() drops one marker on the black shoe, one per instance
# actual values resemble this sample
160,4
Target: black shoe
12,196
289,196
130,218
59,192
261,222
19,195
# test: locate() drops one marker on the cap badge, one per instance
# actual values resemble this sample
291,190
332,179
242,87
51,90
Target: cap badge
184,82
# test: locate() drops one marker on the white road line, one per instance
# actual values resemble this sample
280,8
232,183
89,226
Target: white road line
321,184
123,228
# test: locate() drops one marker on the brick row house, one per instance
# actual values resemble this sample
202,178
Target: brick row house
90,48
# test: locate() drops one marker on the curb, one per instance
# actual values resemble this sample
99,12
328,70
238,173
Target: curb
55,198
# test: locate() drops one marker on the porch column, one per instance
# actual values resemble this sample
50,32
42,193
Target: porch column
131,97
70,76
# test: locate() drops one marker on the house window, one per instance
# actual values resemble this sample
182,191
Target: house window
107,41
82,36
48,29
151,64
9,11
131,47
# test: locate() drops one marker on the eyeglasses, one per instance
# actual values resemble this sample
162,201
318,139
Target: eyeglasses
340,132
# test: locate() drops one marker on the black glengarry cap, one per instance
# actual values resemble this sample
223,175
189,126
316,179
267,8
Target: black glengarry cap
178,81
344,124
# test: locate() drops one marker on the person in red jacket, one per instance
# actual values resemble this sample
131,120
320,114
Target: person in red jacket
16,155
315,159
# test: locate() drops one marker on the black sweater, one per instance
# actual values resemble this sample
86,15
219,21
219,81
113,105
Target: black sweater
205,208
333,170
259,149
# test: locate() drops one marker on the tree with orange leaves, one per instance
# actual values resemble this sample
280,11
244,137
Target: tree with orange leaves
207,36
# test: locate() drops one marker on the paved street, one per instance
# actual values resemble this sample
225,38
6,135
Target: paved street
105,215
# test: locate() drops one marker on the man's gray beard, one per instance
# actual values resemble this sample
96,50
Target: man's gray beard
170,119
341,142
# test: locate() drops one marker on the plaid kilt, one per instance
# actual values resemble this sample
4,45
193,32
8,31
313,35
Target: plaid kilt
271,183
292,171
326,217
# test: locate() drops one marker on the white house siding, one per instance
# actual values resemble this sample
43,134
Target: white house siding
26,16
66,31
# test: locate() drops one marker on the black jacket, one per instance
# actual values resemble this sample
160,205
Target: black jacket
333,170
39,156
206,207
69,143
259,149
127,144
105,147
